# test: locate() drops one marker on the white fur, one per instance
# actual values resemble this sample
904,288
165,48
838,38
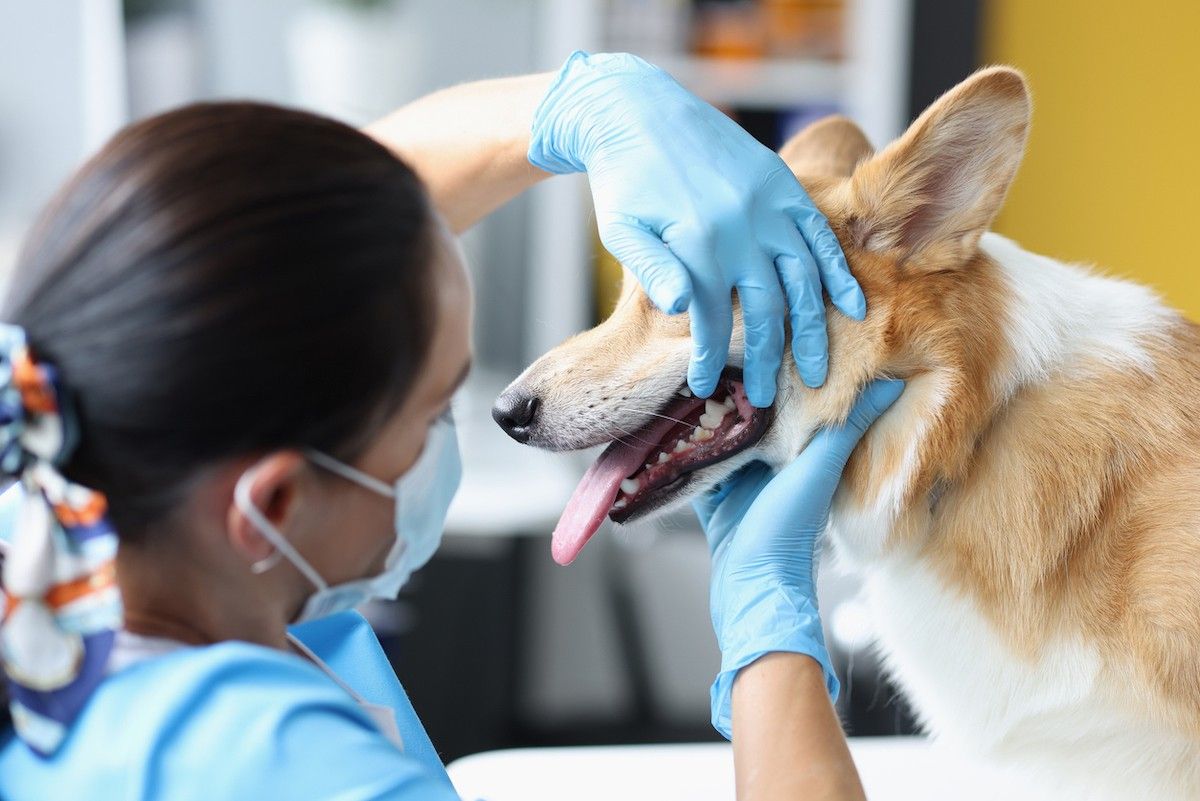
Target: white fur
861,531
1059,319
929,394
1063,317
1045,728
1048,722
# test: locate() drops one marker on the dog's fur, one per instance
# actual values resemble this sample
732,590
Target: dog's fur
1027,515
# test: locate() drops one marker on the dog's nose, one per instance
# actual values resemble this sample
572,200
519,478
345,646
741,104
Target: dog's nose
514,412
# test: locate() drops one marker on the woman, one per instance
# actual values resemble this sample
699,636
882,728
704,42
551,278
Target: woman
230,345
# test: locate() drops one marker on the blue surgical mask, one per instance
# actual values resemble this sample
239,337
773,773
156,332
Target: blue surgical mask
422,497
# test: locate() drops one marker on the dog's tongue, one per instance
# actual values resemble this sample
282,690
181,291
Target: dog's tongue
592,499
598,489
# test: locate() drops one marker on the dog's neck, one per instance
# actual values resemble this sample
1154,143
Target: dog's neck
1063,320
1058,325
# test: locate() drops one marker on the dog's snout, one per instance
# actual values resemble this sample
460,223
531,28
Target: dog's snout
515,411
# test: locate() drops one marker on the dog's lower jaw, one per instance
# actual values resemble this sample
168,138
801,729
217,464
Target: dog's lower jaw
697,483
790,429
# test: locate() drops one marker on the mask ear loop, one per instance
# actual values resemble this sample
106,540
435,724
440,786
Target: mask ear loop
241,497
351,474
266,563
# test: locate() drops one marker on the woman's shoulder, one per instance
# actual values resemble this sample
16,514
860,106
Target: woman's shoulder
196,698
231,720
234,677
234,664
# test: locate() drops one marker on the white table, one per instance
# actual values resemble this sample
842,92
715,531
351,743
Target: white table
892,769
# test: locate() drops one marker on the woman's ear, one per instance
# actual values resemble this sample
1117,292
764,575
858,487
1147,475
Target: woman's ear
274,489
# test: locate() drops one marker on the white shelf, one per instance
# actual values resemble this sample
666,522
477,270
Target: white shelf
758,83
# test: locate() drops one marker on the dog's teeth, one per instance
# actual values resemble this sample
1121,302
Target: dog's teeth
681,446
729,404
712,421
663,457
702,434
713,407
630,486
621,504
685,392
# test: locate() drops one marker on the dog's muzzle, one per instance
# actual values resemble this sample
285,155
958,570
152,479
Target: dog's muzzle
643,470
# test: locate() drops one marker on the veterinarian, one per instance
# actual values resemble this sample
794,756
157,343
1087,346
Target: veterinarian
230,345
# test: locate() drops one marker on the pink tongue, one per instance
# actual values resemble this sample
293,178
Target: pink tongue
598,489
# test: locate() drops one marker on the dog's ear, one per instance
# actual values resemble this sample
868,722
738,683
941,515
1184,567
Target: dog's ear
831,147
929,196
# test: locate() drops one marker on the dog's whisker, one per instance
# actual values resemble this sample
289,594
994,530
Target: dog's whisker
629,433
648,412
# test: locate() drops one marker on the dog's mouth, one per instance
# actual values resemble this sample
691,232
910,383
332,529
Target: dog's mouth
644,470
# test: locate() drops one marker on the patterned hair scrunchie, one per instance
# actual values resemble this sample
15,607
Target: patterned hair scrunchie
59,602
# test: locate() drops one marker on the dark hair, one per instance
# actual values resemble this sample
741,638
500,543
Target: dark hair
221,280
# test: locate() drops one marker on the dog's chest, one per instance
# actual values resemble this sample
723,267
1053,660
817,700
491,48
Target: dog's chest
1045,724
964,681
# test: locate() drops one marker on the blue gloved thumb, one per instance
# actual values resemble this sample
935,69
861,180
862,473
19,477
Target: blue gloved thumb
876,399
815,473
729,500
832,446
660,273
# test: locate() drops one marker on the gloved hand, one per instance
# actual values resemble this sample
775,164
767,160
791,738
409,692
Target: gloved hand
695,207
763,530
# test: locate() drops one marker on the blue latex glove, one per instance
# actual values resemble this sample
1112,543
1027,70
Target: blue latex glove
695,207
763,531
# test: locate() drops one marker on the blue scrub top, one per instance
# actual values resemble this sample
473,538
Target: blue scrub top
239,721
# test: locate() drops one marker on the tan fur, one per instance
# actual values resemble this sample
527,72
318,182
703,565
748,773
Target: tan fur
831,147
1079,513
1072,506
1065,508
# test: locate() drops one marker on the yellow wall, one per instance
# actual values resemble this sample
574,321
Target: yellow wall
1112,174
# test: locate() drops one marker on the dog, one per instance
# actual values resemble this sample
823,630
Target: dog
1026,517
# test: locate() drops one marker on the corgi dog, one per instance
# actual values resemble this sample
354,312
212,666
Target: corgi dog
1026,517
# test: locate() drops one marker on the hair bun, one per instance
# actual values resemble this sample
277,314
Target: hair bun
60,600
36,421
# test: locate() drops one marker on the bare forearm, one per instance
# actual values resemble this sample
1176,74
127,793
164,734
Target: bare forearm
787,740
469,143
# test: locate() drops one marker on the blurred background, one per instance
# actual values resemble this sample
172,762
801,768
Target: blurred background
496,645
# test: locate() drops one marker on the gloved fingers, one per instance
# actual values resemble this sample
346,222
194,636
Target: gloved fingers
704,506
657,269
721,511
711,319
839,282
806,309
762,303
707,503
